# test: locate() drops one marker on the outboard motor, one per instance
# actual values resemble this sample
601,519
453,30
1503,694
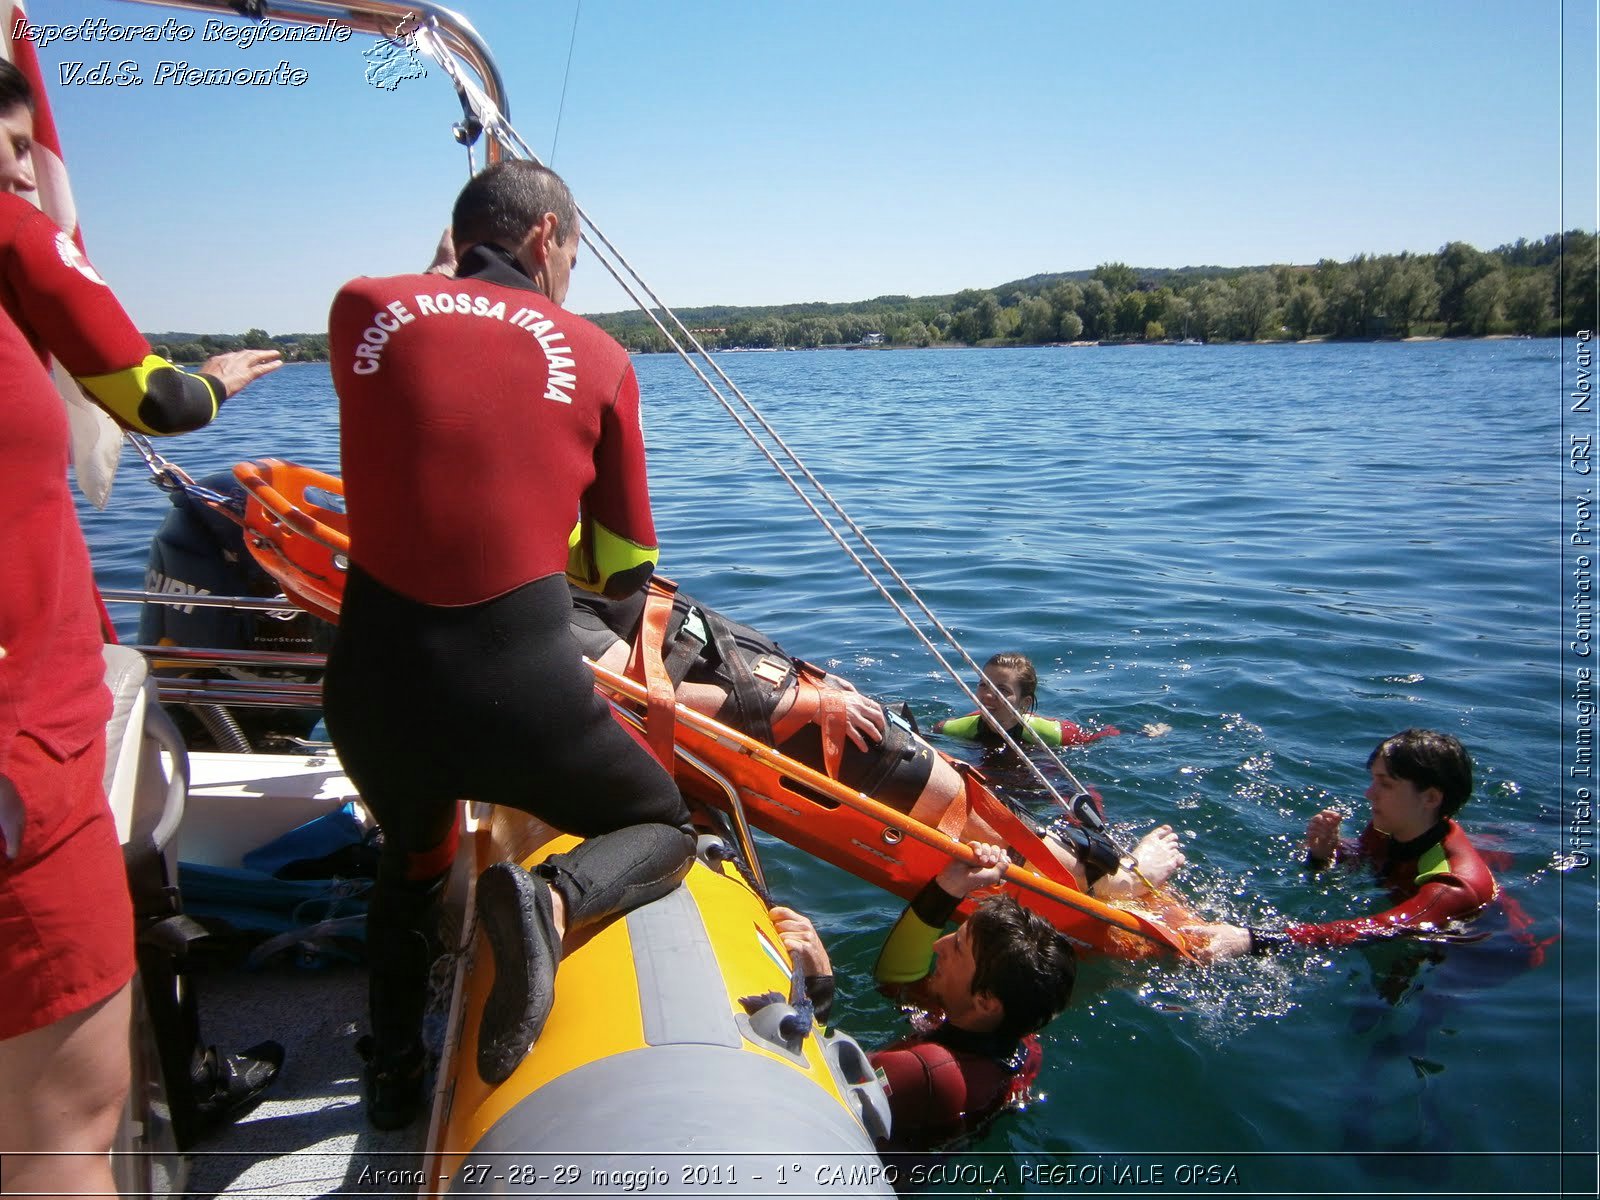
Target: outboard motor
197,552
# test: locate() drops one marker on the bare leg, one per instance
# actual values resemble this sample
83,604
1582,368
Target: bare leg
61,1094
615,659
707,698
938,794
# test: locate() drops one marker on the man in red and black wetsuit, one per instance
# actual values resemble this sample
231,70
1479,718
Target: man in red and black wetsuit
1420,780
981,995
478,419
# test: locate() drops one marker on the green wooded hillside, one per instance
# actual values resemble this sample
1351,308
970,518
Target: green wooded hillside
1540,288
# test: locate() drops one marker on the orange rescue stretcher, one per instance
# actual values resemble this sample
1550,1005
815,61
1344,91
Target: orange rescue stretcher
296,529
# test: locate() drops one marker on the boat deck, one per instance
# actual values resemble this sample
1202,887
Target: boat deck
309,1137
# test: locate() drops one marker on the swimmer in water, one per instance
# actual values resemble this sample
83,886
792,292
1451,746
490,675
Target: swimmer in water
1011,678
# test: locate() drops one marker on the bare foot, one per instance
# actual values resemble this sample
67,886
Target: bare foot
1159,854
1213,943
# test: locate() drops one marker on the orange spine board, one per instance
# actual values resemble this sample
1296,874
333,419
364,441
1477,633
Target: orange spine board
304,544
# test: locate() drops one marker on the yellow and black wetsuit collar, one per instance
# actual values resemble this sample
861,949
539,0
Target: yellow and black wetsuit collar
494,264
1418,846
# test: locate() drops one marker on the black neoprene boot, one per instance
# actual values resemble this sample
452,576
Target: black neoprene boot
600,878
223,1087
391,1084
516,915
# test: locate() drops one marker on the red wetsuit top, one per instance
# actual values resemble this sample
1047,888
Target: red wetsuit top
951,1082
478,420
1437,878
51,671
64,309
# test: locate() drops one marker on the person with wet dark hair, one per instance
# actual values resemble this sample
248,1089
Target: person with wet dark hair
1426,760
987,989
1419,781
1011,678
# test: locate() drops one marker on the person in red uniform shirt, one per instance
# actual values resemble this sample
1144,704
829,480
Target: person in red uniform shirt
477,420
979,996
66,922
66,311
1420,780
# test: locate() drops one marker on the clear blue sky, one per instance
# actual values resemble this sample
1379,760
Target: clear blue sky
763,153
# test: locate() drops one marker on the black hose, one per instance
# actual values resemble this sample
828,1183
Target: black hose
223,728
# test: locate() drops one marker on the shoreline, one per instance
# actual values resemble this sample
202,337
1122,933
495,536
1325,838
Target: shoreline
1314,341
1311,341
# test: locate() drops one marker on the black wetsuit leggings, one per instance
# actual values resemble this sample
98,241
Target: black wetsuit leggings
491,702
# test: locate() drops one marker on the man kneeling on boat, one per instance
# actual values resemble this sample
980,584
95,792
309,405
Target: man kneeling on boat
981,995
743,679
476,417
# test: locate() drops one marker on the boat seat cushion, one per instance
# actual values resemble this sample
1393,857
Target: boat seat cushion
126,676
147,770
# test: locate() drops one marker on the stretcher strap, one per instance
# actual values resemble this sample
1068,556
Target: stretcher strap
661,716
687,647
826,708
751,699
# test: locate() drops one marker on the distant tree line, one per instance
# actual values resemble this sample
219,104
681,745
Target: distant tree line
1538,288
197,347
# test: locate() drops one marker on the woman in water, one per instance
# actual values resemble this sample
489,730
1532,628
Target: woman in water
1011,679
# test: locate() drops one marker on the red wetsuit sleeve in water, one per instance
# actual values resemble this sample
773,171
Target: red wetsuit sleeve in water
1441,880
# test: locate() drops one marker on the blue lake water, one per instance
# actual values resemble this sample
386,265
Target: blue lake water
1282,553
